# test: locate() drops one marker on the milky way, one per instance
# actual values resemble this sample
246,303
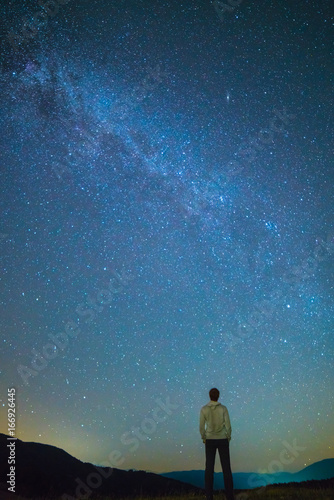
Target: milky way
167,227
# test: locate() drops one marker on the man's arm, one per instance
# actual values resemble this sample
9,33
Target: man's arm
202,425
227,424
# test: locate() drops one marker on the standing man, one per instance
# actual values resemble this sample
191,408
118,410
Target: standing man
215,429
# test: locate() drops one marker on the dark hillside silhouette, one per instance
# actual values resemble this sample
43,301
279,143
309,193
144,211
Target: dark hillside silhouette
47,471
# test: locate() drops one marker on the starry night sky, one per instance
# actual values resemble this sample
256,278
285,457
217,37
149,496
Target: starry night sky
167,227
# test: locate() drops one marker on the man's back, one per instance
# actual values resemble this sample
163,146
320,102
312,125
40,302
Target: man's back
215,421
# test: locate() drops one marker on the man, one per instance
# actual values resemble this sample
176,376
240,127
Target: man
215,429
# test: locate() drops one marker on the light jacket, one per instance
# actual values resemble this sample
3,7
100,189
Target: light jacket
214,422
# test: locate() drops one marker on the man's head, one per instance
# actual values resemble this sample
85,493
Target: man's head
214,394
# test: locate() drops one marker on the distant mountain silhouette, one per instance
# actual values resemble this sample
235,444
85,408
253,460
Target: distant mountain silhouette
47,471
246,480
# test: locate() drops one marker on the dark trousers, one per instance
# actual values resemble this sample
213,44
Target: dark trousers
223,447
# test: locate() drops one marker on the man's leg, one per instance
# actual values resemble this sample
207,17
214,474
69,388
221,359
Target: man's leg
210,453
224,454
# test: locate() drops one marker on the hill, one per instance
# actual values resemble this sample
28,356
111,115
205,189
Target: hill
47,471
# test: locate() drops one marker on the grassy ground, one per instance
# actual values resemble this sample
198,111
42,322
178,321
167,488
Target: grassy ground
286,494
259,494
267,493
264,494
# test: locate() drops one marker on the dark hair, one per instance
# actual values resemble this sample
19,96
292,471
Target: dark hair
214,394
